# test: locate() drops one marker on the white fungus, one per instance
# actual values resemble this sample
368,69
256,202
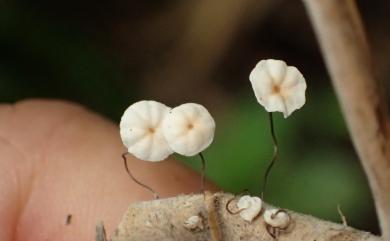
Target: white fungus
189,129
277,218
278,87
194,223
141,132
249,207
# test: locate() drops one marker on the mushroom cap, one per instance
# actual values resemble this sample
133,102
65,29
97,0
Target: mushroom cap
250,206
194,222
278,87
141,131
189,129
276,218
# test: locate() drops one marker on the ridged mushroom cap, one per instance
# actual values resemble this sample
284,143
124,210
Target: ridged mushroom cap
276,218
141,130
250,207
278,87
189,129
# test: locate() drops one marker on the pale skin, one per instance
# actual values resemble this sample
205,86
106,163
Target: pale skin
59,159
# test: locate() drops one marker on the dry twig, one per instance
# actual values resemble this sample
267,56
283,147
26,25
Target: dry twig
345,48
164,220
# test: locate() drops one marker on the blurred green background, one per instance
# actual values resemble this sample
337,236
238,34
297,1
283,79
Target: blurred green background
108,54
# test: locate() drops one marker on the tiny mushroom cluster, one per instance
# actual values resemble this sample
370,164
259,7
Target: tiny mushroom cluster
152,131
278,88
250,207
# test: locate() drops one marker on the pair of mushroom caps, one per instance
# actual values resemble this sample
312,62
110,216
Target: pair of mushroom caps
250,207
152,131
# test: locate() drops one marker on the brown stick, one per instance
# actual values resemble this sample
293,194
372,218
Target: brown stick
345,48
164,220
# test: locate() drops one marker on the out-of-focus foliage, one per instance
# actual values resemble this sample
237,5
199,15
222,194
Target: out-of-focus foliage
40,58
106,55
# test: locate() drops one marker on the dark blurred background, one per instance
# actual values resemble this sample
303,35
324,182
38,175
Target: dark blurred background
107,54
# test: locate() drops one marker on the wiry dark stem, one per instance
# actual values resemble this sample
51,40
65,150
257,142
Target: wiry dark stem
275,155
155,194
202,173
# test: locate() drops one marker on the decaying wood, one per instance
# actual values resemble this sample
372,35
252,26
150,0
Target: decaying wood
164,220
346,51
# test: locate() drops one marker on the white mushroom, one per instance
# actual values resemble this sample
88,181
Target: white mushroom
141,132
278,87
189,129
249,207
194,223
277,218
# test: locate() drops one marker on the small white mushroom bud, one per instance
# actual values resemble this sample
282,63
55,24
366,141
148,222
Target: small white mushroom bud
194,223
249,207
278,87
189,129
141,132
277,218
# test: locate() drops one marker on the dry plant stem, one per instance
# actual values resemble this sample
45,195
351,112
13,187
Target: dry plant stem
163,220
342,216
342,38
